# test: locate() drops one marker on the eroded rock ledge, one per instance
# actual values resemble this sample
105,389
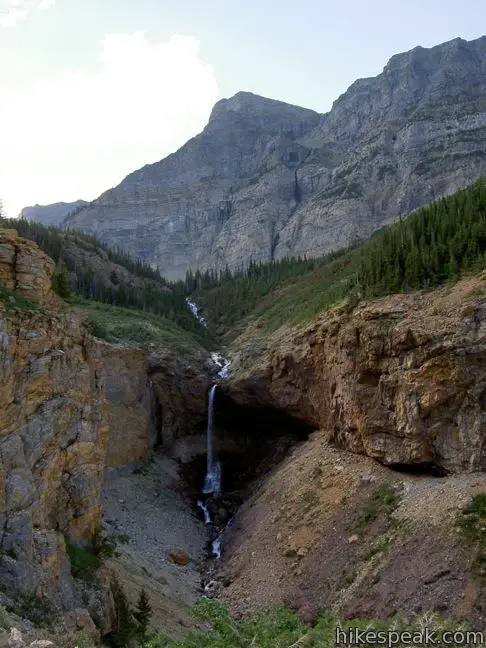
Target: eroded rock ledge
401,379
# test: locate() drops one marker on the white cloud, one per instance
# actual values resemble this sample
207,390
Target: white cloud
11,16
14,11
78,134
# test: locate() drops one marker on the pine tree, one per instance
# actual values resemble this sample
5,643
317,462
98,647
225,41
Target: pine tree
143,614
124,627
60,281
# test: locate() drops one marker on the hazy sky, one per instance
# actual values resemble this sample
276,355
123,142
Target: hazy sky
91,90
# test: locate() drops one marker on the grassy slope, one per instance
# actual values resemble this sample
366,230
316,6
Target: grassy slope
130,327
163,323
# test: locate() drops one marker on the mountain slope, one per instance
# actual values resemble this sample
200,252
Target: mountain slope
266,180
51,214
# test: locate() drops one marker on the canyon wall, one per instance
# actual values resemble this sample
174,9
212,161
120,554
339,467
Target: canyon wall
53,429
401,379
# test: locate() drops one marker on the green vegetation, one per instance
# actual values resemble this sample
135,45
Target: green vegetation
382,502
310,499
124,627
278,627
472,523
6,619
14,300
60,281
85,561
143,614
276,293
129,624
145,290
435,244
38,610
134,328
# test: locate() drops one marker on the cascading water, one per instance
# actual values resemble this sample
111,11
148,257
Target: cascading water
204,509
212,481
194,308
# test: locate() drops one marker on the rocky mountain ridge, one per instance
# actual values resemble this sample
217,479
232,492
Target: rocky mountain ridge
265,180
51,214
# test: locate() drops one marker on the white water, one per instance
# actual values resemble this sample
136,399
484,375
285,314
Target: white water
222,363
204,509
194,308
216,547
212,481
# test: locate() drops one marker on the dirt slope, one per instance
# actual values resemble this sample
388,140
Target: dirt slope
338,532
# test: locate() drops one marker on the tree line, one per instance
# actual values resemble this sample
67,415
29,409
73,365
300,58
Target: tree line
434,244
147,290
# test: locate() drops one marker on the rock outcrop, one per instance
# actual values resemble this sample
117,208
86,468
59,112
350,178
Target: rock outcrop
53,430
401,379
72,406
338,533
180,387
130,405
25,269
265,180
53,436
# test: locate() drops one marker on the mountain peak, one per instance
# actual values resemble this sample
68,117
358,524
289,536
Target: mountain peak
249,104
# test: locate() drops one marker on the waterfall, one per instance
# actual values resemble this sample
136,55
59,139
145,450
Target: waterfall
212,482
194,308
204,509
222,363
150,405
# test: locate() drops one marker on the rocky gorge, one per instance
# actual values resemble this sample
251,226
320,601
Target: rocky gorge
379,405
73,410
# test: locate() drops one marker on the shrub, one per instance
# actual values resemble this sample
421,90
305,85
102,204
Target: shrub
472,522
383,501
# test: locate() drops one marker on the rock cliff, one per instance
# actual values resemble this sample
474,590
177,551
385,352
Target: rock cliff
400,379
53,430
266,180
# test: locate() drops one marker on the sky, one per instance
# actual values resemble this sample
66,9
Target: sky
91,90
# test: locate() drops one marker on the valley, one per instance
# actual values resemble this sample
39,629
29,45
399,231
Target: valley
265,422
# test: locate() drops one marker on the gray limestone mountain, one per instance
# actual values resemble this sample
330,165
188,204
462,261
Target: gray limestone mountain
51,214
265,180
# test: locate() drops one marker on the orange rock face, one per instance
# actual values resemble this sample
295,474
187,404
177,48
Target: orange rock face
401,379
53,428
26,269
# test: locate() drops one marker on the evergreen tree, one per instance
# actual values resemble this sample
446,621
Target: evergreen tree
60,281
143,614
124,628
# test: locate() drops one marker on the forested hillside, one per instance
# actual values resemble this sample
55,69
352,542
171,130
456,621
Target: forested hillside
88,272
433,245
